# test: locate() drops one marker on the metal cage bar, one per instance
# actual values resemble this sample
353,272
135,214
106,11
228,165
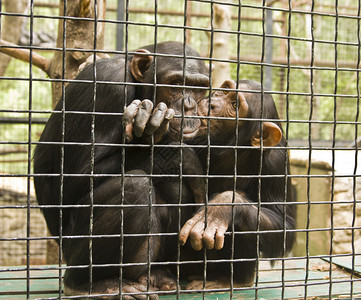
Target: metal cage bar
306,57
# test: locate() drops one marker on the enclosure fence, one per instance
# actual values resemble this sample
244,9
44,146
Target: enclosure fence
180,149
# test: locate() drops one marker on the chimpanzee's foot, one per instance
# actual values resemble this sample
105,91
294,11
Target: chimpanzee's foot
90,60
160,279
109,289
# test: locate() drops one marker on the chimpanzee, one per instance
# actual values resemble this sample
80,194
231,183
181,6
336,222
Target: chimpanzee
96,192
260,206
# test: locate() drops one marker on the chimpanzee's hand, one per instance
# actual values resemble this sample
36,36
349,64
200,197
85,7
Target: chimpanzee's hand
218,220
90,60
140,120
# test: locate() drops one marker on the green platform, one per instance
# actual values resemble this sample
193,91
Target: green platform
297,283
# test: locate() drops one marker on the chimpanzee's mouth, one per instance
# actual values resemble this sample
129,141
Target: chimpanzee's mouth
188,131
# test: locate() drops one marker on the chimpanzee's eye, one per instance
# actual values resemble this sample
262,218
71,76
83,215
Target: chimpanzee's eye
175,84
202,92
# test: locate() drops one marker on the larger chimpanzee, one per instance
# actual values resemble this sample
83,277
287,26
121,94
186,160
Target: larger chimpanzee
258,203
79,163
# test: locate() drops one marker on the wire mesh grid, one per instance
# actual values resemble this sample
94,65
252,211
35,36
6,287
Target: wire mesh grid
215,154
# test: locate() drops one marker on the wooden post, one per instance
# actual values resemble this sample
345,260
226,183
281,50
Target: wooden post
222,20
79,35
10,31
189,23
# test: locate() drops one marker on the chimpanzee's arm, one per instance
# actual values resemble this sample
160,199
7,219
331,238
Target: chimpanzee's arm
219,219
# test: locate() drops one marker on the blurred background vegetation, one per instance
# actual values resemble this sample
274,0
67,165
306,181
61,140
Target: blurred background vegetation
308,66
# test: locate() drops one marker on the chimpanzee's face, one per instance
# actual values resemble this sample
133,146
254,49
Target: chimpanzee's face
180,83
183,96
222,109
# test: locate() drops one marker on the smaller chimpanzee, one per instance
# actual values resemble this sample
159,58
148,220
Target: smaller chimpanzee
261,218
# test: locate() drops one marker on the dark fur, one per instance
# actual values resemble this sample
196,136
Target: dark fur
273,215
108,160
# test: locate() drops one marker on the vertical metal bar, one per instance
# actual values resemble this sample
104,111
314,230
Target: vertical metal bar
268,50
207,171
185,39
333,145
310,148
264,9
354,180
92,152
287,135
235,149
28,214
121,244
120,25
91,216
282,71
151,190
62,150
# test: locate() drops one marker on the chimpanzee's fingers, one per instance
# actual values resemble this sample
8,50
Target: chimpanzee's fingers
187,227
163,128
156,118
209,232
90,60
81,67
196,235
222,228
130,112
128,131
169,115
142,117
104,55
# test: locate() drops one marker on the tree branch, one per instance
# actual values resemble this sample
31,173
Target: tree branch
24,55
14,150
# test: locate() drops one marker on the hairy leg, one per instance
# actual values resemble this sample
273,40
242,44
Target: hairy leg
106,250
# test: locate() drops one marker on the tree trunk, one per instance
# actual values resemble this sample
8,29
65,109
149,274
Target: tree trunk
79,35
222,20
11,28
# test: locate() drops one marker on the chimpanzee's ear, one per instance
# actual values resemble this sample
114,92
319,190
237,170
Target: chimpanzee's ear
272,135
140,63
228,84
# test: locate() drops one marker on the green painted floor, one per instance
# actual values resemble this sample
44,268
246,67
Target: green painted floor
296,283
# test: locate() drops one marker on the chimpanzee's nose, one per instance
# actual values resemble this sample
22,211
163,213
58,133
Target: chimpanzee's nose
189,103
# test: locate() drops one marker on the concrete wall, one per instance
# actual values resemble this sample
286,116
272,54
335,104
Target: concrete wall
338,213
14,224
316,207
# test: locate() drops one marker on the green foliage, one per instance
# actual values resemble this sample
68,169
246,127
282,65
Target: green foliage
311,89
